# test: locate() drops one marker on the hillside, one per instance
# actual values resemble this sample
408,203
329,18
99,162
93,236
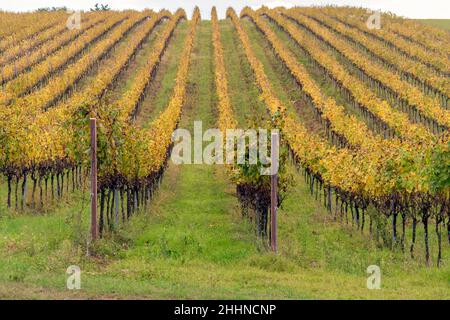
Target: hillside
364,168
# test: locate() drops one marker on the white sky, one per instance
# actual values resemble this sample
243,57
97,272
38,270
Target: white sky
438,9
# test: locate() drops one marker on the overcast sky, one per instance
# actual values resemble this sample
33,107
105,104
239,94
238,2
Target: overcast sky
408,8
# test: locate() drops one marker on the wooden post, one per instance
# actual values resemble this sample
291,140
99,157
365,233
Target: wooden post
274,190
93,123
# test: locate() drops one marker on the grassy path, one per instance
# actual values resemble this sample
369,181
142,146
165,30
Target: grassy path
193,218
240,78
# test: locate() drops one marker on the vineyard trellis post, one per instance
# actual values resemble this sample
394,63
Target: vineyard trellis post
93,125
274,192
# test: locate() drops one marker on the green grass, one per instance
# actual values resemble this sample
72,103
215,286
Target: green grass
439,23
192,242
